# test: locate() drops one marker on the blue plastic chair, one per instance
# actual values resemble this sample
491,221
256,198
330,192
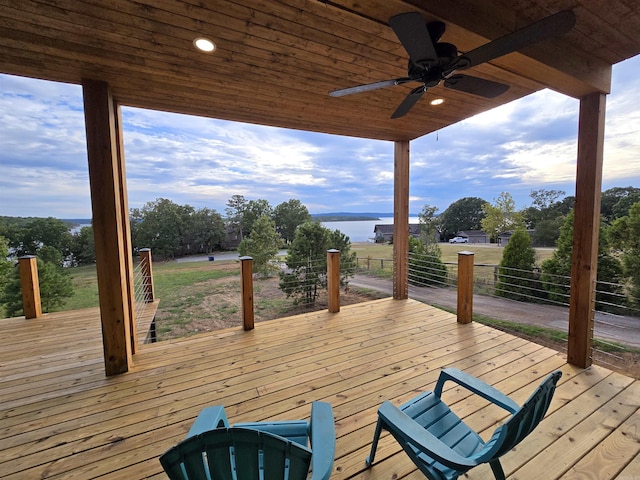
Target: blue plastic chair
214,450
441,445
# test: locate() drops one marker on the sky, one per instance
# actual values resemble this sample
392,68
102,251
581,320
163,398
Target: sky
526,145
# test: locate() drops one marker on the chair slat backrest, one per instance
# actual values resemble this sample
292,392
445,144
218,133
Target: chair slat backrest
236,454
528,417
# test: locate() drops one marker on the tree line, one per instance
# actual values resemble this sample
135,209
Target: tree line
547,222
257,229
171,230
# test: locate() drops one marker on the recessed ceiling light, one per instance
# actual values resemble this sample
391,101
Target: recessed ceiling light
204,44
437,101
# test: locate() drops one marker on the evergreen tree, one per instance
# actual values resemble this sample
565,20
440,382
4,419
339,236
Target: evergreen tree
5,267
425,265
626,231
516,270
341,242
253,210
307,261
83,249
235,211
55,286
262,245
557,270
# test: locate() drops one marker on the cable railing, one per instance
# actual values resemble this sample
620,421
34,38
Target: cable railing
427,270
143,295
615,311
304,279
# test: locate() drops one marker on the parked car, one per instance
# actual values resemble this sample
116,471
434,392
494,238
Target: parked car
459,240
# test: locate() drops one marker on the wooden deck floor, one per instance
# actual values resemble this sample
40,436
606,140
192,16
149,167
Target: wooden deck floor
61,418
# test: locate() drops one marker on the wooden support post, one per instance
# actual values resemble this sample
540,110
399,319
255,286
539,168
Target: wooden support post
401,221
586,228
247,292
30,285
125,228
465,287
333,280
112,245
147,274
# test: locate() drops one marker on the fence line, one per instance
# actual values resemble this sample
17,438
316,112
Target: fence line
535,285
142,294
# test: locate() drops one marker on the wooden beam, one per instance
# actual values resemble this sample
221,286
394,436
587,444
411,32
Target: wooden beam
586,227
401,220
126,227
30,286
106,174
246,272
465,287
333,280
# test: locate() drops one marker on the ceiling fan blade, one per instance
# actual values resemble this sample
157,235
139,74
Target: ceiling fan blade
553,26
412,32
409,101
476,86
369,86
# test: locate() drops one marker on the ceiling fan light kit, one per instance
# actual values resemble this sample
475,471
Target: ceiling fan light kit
432,62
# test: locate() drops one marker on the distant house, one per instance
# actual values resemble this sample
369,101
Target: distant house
384,233
231,238
474,236
504,237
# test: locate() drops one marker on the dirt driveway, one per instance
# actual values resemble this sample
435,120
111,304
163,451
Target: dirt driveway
621,329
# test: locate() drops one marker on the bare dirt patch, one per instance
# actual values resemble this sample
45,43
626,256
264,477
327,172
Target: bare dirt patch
216,304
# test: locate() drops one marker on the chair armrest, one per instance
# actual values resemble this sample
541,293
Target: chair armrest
323,440
209,418
399,423
476,386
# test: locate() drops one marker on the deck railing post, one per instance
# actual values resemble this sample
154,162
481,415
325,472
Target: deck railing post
465,287
147,275
30,285
247,292
333,280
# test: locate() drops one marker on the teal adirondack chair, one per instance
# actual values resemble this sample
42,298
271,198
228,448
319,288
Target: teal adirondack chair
441,445
213,450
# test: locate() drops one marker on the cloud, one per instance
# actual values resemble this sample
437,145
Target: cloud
524,145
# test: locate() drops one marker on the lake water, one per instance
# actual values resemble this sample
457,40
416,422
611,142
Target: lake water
357,231
361,231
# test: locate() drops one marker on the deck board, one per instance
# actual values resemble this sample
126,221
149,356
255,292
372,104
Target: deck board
60,417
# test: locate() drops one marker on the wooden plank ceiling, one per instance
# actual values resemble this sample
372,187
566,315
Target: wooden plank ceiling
276,61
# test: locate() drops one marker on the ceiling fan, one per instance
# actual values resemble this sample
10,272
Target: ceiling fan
432,61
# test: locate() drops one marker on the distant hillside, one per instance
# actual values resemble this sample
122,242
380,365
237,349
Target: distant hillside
77,221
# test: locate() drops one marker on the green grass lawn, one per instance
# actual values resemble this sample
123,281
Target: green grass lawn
168,278
483,253
171,277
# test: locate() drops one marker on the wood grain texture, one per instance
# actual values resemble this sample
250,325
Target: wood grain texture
110,220
401,169
586,228
61,418
277,61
